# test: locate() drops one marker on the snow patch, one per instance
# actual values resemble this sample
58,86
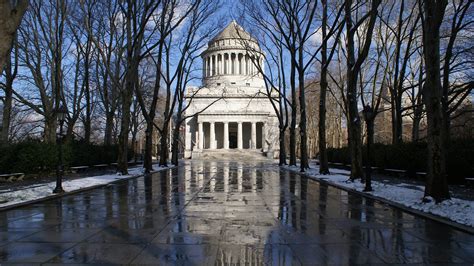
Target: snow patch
457,210
35,192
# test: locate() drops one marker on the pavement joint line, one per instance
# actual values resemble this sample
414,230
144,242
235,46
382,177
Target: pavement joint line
171,220
436,218
278,222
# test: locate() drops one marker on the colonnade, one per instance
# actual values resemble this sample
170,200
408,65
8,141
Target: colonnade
212,135
229,64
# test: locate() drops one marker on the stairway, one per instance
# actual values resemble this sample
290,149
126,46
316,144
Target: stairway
232,154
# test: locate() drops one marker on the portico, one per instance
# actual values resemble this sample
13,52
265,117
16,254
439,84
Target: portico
231,134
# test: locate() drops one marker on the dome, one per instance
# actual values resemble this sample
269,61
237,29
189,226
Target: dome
232,58
232,31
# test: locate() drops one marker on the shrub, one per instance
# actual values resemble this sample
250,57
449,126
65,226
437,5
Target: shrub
412,157
33,156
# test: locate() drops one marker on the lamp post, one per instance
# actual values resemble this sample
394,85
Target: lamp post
369,116
61,116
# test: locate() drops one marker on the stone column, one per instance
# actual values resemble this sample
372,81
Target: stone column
213,136
201,136
254,135
222,64
239,136
236,63
263,138
226,135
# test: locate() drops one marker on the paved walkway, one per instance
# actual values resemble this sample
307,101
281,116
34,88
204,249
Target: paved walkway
208,213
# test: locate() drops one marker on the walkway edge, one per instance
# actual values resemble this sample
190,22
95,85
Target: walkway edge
54,196
436,218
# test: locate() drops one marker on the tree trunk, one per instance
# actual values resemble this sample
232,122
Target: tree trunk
370,141
7,104
415,131
354,129
109,126
282,155
175,144
164,145
87,120
293,111
50,128
147,160
11,13
126,95
399,121
323,156
124,132
353,69
7,107
304,164
393,113
436,185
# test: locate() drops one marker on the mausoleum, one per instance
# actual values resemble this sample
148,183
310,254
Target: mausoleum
231,110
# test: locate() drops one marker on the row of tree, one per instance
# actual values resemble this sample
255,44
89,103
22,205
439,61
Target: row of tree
371,57
119,67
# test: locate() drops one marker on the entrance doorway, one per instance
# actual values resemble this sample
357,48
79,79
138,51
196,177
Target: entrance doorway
232,140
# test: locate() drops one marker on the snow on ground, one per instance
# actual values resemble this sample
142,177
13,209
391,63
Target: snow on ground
35,192
457,210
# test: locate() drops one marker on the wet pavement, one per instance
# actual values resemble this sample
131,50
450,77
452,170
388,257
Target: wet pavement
221,213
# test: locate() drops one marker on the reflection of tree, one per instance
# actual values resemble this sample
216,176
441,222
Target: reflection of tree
323,198
164,192
109,201
292,209
304,205
148,189
355,213
433,233
397,234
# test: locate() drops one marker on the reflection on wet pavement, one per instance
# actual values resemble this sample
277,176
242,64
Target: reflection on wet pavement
222,213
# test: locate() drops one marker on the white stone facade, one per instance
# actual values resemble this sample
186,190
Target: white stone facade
231,110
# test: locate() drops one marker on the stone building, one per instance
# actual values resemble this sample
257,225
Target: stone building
231,109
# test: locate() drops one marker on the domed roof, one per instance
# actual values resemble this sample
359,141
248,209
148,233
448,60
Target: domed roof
233,31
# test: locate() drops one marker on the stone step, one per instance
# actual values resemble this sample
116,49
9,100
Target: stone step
232,154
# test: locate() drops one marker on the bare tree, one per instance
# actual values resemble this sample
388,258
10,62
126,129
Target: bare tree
41,42
404,35
325,61
432,17
373,89
353,70
11,71
456,59
108,39
276,59
196,33
81,28
11,14
137,17
167,21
